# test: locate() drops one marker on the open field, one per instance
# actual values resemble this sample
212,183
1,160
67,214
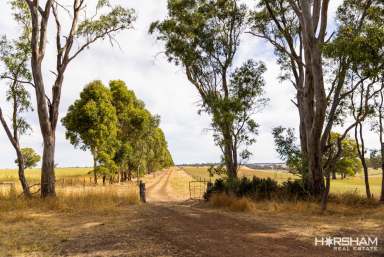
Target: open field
109,221
348,185
64,177
34,174
78,175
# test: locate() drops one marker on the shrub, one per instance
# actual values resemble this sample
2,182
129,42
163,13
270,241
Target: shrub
259,188
295,189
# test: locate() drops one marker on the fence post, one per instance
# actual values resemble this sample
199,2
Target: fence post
190,193
142,192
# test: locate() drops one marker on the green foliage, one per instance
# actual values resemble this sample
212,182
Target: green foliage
374,160
259,188
283,37
119,18
296,189
349,162
289,151
360,42
91,124
203,36
31,158
14,54
121,134
285,142
142,144
217,170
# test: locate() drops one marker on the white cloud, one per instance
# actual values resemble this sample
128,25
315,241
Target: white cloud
163,87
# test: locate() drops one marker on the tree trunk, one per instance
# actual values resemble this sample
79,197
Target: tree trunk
23,180
94,169
324,200
333,174
104,178
231,170
48,168
129,175
381,131
366,180
382,181
124,176
229,152
14,139
361,151
316,169
314,96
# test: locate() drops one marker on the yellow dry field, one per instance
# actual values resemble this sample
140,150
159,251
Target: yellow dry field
88,221
338,186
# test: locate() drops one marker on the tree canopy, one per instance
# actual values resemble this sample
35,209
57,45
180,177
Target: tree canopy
204,36
30,157
122,135
91,123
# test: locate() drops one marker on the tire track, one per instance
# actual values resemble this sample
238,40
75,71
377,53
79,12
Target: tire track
157,192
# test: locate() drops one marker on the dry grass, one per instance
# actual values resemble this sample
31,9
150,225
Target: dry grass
179,182
232,203
33,175
37,227
73,199
345,205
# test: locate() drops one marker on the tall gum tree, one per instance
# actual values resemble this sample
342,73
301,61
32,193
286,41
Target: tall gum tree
14,56
298,32
84,30
90,124
203,37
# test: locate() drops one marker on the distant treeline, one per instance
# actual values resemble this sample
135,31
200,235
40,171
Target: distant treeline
259,166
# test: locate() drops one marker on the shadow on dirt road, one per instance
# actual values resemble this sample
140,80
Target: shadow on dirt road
168,226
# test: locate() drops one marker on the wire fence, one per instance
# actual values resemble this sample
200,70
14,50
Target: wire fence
197,189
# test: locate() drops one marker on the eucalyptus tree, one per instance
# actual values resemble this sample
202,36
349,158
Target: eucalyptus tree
91,125
348,163
289,151
141,143
378,127
204,37
125,103
30,158
14,56
158,156
362,106
316,62
83,30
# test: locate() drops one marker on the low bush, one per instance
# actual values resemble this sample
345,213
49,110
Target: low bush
295,189
259,188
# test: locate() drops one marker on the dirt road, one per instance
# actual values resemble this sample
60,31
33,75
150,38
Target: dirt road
170,225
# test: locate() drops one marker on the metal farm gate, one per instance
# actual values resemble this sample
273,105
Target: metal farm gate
197,189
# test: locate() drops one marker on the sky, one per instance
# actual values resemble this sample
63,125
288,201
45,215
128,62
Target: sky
140,62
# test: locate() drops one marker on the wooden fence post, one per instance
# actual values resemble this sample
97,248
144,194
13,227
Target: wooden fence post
142,192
